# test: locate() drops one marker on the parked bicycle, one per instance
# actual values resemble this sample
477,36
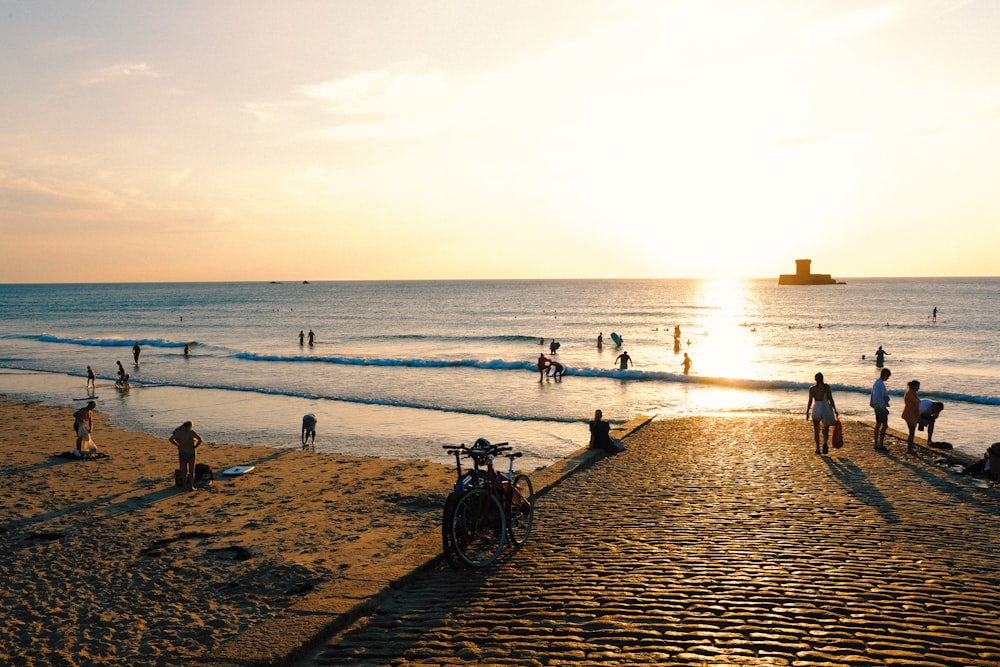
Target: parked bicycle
487,509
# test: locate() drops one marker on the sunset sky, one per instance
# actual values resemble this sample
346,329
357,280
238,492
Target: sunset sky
413,139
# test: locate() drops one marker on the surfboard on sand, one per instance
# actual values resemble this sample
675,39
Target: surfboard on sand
616,338
237,470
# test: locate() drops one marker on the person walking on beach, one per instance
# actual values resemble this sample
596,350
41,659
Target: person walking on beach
309,430
880,357
880,404
136,351
600,435
823,410
911,413
623,360
91,379
83,426
187,443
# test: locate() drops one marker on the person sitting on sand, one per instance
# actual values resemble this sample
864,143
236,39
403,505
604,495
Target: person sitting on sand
600,435
187,442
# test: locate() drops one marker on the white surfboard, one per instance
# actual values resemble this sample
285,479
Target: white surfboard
237,470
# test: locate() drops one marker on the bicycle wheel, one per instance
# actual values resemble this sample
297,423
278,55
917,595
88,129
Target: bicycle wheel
521,513
447,543
478,527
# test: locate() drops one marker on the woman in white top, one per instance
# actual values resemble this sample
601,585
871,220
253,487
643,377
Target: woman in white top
823,410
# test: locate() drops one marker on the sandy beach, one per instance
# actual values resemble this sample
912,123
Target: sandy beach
107,562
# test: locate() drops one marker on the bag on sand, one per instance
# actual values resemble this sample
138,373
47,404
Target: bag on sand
838,434
203,474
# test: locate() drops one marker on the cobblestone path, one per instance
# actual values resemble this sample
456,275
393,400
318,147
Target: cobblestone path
720,541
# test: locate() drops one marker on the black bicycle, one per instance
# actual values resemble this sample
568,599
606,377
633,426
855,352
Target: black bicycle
486,509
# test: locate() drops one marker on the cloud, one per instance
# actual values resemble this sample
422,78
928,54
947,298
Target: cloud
120,72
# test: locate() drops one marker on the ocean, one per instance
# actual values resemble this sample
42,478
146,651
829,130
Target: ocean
401,368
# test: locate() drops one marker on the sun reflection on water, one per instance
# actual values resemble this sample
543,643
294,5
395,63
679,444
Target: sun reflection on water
728,343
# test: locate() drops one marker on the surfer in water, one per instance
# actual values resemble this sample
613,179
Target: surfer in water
623,360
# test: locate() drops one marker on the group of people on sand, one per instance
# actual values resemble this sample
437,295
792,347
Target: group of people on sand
917,413
184,437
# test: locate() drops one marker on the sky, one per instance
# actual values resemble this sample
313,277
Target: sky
201,140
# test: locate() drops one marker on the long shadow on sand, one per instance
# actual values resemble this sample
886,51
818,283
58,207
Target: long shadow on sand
856,482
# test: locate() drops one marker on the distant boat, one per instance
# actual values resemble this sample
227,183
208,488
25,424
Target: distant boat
305,282
804,276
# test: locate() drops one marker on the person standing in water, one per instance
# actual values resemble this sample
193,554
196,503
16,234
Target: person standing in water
136,351
624,360
91,379
600,340
687,363
880,356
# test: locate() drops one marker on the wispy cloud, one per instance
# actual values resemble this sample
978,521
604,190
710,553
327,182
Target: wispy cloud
121,72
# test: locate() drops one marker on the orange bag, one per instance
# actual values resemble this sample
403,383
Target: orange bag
838,434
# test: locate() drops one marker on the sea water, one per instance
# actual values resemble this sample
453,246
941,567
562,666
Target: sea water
399,369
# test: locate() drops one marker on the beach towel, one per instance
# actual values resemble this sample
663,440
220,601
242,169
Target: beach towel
75,456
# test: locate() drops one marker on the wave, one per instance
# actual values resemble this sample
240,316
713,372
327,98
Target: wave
631,375
496,364
111,342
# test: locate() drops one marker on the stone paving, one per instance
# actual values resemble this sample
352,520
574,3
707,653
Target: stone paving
719,541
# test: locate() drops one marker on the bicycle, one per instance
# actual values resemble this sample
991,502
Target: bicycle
486,509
